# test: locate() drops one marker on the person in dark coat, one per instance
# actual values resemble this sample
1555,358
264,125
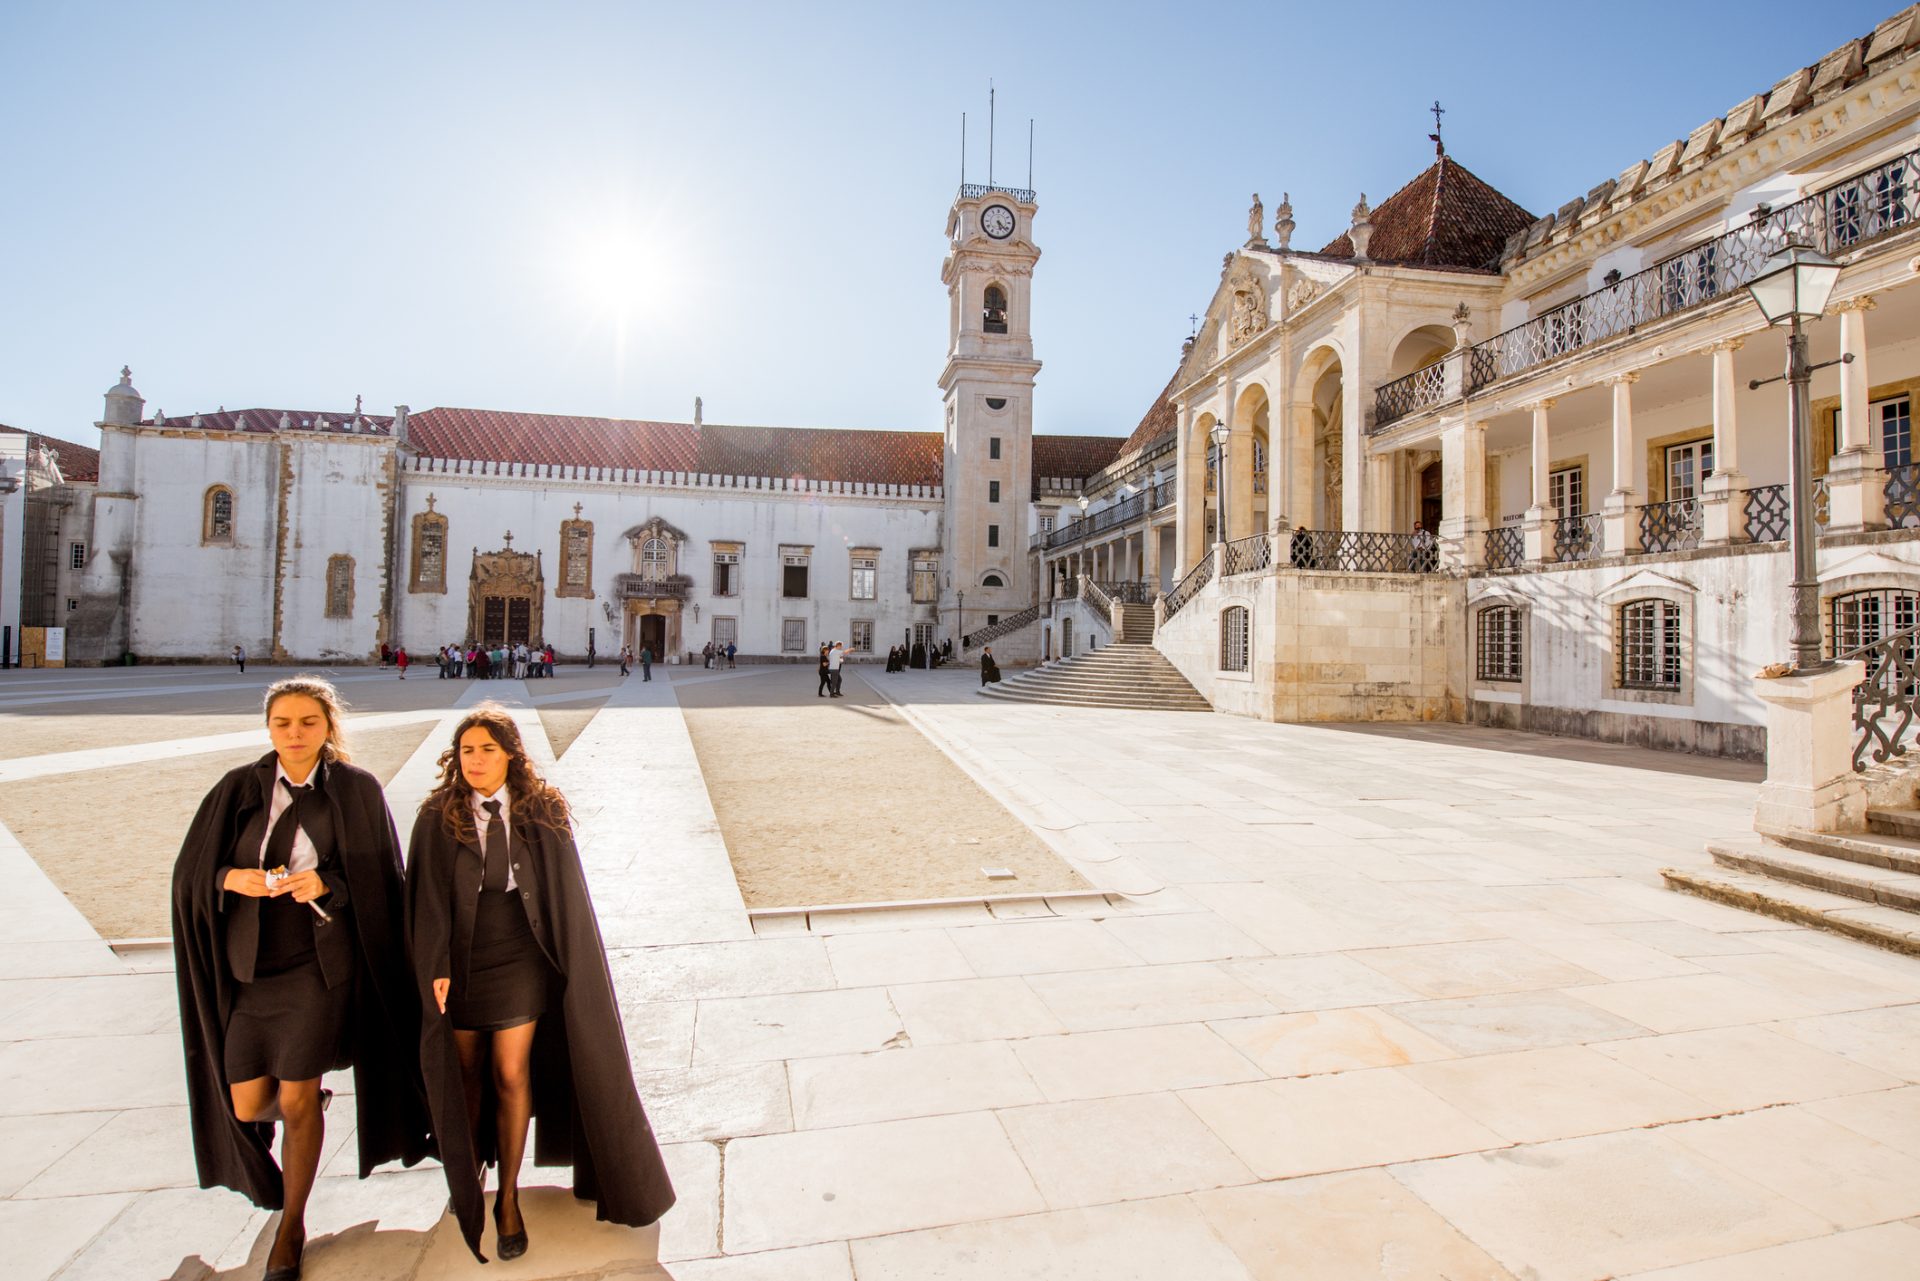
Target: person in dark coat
825,676
919,653
989,670
521,1021
290,961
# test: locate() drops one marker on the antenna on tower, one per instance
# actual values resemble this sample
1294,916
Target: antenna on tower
990,117
963,148
1029,153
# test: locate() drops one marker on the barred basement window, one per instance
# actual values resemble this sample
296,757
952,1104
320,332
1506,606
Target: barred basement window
866,573
862,642
793,636
339,587
1235,630
1649,645
1499,643
1861,618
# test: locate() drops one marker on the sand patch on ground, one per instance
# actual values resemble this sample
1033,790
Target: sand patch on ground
844,801
563,724
108,837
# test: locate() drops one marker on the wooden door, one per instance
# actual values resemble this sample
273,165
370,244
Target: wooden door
519,621
493,621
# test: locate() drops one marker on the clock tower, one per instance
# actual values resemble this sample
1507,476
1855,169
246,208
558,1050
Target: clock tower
987,385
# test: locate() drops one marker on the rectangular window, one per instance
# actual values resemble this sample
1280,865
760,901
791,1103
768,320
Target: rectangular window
993,446
726,573
339,587
993,491
76,555
793,571
1567,491
433,554
993,535
1896,431
793,636
1499,644
1687,466
866,572
1235,626
1649,645
725,632
993,620
926,580
862,636
1046,524
73,603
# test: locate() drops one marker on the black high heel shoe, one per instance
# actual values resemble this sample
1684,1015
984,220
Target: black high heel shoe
291,1273
508,1245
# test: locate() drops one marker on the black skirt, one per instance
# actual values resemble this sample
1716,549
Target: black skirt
290,1026
506,974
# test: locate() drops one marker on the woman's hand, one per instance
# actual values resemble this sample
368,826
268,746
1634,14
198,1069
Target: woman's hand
304,886
440,989
249,881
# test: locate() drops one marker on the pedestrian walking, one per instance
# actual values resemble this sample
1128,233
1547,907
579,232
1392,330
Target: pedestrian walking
521,1020
400,660
626,657
239,657
989,670
290,961
706,656
646,663
835,657
826,673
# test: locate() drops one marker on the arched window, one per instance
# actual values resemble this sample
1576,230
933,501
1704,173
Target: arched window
216,518
1498,645
993,580
1649,645
993,314
1863,617
1235,634
655,559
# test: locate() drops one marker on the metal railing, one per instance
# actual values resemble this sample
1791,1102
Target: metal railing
1673,526
640,587
1415,391
975,190
1120,513
1189,586
1095,595
1249,555
1362,552
1884,704
1845,216
1578,537
1505,547
994,631
1769,512
1903,497
1129,593
1164,493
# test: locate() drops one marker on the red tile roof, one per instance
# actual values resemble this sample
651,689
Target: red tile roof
1447,217
1074,457
1158,422
77,462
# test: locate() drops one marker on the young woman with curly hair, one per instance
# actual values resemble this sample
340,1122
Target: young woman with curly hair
291,961
521,1020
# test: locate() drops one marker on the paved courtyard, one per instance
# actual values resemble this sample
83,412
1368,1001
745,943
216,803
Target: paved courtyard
1358,1002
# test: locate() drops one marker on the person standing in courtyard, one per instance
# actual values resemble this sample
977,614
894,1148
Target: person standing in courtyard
400,660
989,670
825,671
836,657
521,1020
239,657
732,650
646,662
290,961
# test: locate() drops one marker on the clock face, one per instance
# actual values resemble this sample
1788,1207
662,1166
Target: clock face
997,221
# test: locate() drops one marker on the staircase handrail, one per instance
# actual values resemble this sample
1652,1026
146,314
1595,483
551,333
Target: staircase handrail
1189,585
994,631
1095,595
1887,701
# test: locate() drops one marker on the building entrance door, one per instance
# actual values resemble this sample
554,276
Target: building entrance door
1430,488
494,621
923,635
653,636
519,621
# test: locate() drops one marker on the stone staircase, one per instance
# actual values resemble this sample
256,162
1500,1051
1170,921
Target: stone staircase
1862,884
1127,674
1136,625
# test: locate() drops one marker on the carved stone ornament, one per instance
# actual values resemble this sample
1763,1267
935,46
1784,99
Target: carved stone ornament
1303,292
1247,313
1283,222
507,576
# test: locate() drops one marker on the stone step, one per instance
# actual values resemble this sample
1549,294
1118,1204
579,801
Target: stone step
1195,704
1886,927
1895,823
1860,881
1088,680
1132,676
1895,853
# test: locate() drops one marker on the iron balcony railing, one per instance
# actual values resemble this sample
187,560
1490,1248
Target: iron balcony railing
1673,526
1189,586
1163,494
1129,593
1505,547
1903,497
1417,390
1123,512
1884,704
1879,202
975,190
1249,555
1363,552
1769,512
1578,537
1095,594
640,587
1006,626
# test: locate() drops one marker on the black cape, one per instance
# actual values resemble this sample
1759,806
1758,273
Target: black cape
586,1111
389,1107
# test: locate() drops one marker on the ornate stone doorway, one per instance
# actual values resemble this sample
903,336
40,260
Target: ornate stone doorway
651,631
506,597
656,625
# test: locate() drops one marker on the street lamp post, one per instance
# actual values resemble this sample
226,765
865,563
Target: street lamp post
1219,436
960,612
1792,288
1082,502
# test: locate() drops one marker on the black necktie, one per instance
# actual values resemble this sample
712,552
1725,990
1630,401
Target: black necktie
279,851
493,875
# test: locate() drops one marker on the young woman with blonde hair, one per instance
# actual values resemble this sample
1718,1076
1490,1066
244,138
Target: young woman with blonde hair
290,960
521,1022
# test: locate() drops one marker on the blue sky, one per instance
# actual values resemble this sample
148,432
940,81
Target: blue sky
613,208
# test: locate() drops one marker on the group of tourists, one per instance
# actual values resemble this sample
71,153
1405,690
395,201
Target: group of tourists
496,662
919,654
712,654
645,658
833,655
468,990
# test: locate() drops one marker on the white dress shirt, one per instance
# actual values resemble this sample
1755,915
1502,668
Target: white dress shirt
303,858
480,820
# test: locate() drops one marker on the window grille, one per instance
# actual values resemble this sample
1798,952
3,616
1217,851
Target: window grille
1499,643
1648,643
77,556
866,572
219,518
862,636
793,636
433,553
1861,618
725,631
1235,629
577,552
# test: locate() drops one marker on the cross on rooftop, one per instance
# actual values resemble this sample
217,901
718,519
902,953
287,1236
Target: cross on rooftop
1439,148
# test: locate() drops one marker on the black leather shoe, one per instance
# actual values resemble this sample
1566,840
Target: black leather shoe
508,1245
290,1273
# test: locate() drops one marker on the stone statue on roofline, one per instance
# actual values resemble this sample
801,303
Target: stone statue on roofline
1283,222
1255,217
1362,230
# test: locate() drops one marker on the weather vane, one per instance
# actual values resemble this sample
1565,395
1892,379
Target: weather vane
1439,148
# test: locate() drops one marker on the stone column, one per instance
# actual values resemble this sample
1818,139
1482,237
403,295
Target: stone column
1240,469
1723,495
1620,515
1463,496
1190,483
1150,549
1353,452
1811,784
1538,530
1301,481
1856,485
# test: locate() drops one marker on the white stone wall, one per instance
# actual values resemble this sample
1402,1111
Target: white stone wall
337,505
480,509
